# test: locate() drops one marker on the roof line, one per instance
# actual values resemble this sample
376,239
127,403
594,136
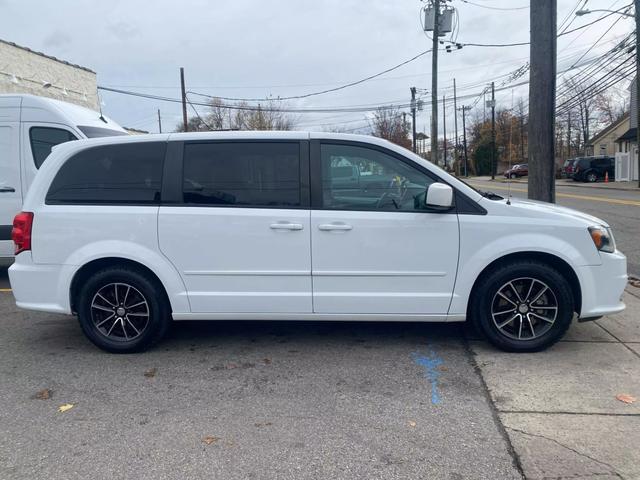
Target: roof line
46,56
608,128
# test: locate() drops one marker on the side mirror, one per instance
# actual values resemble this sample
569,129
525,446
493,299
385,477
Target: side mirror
439,196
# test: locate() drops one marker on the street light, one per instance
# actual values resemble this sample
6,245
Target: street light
636,14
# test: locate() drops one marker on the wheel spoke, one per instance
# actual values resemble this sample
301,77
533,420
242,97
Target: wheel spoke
100,307
124,302
504,324
106,320
133,326
136,305
115,288
105,299
541,317
507,299
533,281
505,311
536,307
113,325
520,328
124,329
515,291
545,288
533,332
138,314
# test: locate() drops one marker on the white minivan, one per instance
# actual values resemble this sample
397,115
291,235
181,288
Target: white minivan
132,233
29,127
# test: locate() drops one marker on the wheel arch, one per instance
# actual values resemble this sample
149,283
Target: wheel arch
89,268
554,261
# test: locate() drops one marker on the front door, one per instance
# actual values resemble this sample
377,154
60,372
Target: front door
239,235
375,248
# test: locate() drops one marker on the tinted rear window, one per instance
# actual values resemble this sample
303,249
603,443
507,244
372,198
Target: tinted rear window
256,174
111,174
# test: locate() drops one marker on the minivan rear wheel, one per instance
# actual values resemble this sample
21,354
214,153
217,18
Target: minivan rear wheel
121,310
524,306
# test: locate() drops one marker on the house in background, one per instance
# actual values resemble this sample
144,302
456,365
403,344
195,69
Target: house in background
23,70
605,142
627,151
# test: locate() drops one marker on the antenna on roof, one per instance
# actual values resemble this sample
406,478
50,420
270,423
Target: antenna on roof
101,117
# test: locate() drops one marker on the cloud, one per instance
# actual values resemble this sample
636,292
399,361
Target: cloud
57,39
123,30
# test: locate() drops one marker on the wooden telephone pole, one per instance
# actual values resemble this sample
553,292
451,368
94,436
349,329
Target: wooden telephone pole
185,121
542,100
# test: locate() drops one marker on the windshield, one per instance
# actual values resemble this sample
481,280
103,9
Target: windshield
97,132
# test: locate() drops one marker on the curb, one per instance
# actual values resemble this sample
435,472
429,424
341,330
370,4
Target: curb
576,184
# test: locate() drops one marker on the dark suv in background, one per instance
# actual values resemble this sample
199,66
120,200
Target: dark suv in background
592,169
567,168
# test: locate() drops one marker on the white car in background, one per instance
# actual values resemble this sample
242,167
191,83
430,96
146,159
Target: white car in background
132,233
29,127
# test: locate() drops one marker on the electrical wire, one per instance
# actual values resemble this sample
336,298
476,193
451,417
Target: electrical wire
495,8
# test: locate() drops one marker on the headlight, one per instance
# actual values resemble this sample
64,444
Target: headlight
603,239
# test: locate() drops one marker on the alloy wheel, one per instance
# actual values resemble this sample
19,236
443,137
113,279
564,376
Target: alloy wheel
524,308
120,312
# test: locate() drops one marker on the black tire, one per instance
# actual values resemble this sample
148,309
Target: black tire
142,287
591,177
486,298
513,175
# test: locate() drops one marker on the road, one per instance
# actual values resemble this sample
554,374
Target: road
619,208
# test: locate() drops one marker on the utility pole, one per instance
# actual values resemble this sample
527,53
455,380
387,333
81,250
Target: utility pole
569,135
455,127
444,129
464,140
159,122
185,122
637,15
434,82
542,96
493,132
413,116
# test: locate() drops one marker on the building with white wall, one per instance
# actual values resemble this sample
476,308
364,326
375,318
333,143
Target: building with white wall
23,70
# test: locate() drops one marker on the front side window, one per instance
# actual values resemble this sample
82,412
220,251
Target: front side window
43,139
125,174
359,178
244,174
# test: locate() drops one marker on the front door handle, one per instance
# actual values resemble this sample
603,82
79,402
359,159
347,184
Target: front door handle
286,226
7,189
325,227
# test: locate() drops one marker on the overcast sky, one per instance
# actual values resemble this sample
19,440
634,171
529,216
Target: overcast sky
243,48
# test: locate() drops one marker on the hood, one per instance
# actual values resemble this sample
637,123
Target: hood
535,209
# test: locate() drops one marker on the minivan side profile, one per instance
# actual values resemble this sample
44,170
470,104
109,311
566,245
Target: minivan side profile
30,126
132,233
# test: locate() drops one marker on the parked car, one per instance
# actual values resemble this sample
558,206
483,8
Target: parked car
567,168
592,169
29,127
132,233
517,171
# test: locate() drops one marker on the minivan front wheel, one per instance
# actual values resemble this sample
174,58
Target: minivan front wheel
524,306
121,310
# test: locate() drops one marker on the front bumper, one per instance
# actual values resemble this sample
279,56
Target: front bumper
603,286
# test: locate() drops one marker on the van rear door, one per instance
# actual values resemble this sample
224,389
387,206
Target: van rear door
10,191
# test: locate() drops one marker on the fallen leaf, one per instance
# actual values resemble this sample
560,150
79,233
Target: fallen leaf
209,440
265,424
151,373
229,366
412,423
44,394
65,407
267,361
625,398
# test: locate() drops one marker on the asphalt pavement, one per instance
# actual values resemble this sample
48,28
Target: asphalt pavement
619,208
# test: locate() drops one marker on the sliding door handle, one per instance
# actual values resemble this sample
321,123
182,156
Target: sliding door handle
7,189
286,226
325,227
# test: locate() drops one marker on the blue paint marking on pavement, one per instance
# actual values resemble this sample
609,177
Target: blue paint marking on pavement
430,364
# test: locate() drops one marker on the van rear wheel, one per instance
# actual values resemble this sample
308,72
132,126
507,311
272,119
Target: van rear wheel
121,310
525,306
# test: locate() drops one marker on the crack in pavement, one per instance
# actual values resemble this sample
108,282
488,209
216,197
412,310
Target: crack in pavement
600,462
620,341
471,355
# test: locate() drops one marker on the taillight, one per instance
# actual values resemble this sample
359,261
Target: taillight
21,232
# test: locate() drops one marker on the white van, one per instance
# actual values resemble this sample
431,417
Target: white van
29,127
132,233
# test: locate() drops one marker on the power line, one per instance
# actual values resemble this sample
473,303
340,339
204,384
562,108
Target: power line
495,8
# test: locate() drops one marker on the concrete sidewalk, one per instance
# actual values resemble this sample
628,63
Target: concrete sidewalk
559,407
563,182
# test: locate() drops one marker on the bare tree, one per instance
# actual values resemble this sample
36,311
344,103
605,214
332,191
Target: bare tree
388,123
